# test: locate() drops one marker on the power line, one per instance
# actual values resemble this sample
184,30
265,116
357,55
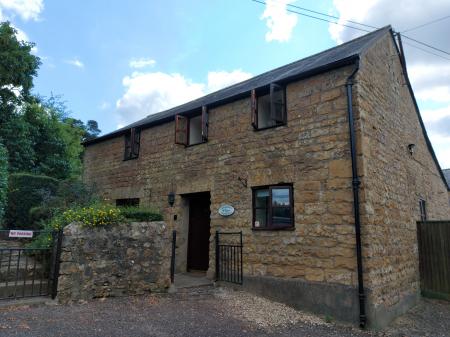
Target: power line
354,22
315,17
425,44
331,16
425,50
426,24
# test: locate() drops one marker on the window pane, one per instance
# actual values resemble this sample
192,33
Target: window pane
260,218
280,197
262,198
264,119
195,130
281,216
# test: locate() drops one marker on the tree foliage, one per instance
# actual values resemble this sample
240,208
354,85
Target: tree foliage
3,180
18,66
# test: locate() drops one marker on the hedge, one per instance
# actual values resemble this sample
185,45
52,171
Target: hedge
3,181
140,214
26,191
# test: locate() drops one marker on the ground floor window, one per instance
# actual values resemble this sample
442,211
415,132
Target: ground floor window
273,207
127,202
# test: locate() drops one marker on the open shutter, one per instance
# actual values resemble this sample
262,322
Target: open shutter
254,109
204,123
127,152
136,137
181,128
277,104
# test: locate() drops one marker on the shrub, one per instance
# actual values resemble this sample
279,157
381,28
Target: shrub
3,180
93,216
141,214
26,191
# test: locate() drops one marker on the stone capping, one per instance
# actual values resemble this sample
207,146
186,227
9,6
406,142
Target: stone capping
114,260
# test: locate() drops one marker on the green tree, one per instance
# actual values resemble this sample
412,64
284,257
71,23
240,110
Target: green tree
3,181
18,66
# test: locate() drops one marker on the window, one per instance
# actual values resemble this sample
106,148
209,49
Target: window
192,130
423,210
268,107
132,144
273,207
127,202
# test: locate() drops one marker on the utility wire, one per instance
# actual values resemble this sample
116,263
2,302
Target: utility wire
354,22
425,50
331,16
425,44
426,24
315,17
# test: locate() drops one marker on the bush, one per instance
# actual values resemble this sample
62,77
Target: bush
3,180
93,216
141,214
26,191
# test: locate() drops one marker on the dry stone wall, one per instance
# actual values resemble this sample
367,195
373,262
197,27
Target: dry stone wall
119,260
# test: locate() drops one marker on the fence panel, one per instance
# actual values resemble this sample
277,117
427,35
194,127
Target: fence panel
434,258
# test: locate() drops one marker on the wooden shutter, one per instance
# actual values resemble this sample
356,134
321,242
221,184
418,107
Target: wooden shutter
254,109
277,104
127,152
205,123
136,139
181,130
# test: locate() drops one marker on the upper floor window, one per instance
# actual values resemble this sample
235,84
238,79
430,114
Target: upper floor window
269,107
192,130
273,207
423,210
132,144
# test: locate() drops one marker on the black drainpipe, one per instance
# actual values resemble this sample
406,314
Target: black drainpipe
355,186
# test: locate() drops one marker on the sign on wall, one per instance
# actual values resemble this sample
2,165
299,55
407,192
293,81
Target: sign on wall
226,210
20,234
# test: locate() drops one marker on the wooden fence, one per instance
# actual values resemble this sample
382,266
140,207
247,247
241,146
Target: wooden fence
434,252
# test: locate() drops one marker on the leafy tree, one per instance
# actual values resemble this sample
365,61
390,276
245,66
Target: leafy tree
92,130
3,180
17,66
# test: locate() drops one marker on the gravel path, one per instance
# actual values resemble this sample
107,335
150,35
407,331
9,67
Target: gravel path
201,312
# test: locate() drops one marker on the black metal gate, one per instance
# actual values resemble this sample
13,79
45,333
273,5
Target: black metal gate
229,257
25,270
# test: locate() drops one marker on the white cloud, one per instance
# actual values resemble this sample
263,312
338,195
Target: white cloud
26,9
278,20
76,63
142,63
104,105
152,92
430,75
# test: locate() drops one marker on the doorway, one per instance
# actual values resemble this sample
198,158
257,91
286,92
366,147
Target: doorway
199,231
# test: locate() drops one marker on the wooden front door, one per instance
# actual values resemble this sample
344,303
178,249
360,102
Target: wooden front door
199,231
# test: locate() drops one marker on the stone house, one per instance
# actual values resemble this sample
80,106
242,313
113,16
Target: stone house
326,163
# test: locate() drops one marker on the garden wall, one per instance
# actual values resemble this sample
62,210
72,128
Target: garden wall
115,260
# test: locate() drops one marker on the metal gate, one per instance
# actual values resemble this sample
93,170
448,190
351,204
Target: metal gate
26,271
229,257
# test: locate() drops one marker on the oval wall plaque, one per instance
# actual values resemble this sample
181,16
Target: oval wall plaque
226,210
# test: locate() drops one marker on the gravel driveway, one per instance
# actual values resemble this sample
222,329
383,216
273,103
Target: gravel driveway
200,312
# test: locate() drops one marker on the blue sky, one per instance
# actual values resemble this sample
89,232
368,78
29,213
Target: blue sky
116,61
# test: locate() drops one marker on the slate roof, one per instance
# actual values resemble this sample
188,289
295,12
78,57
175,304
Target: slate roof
447,175
341,55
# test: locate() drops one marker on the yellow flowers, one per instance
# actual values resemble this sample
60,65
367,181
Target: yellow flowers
97,215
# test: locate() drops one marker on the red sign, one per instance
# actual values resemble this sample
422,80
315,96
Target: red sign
20,234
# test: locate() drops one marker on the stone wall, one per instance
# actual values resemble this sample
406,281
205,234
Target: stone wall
393,180
119,260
